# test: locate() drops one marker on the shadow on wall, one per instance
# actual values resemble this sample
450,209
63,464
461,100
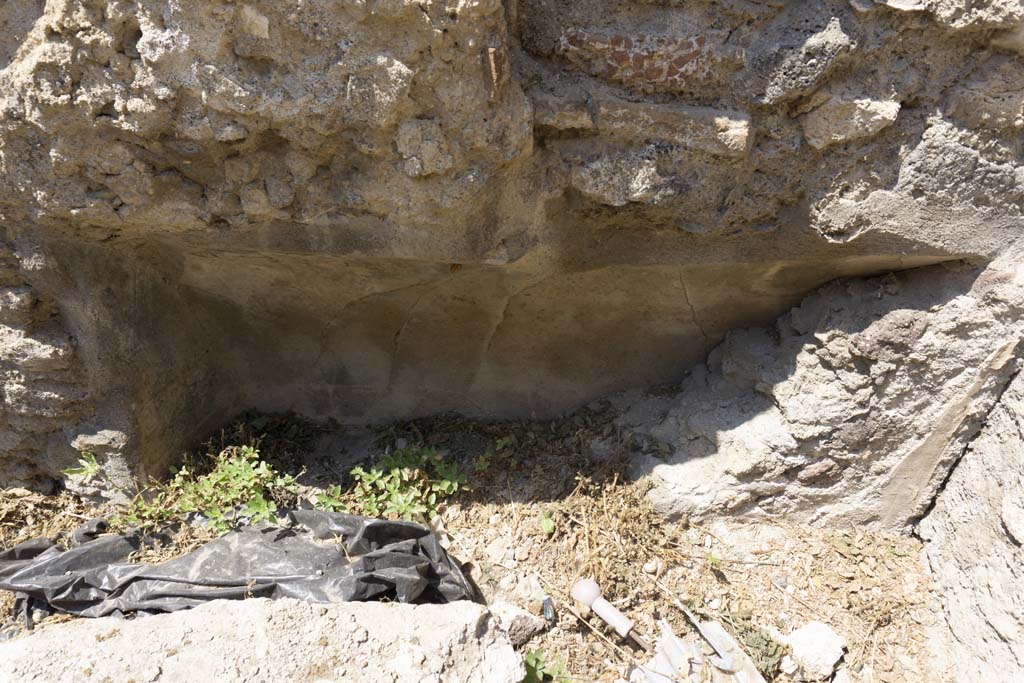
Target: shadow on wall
181,340
852,409
815,417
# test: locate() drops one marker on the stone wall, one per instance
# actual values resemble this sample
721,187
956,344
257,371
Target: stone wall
43,389
852,409
379,209
974,537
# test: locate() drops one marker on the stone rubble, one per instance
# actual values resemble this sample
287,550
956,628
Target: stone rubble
852,409
279,640
520,625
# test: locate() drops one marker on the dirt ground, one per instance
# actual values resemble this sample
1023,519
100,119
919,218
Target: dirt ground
549,503
756,577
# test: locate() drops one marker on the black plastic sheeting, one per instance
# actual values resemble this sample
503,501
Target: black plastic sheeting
309,555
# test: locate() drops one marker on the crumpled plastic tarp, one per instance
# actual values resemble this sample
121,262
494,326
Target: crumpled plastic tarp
308,555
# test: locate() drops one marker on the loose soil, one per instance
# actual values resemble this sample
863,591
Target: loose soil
550,502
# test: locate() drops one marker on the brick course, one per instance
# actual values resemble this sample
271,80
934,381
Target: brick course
650,63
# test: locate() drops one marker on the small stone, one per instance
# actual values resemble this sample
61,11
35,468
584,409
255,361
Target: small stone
789,666
818,471
423,144
254,23
816,648
519,624
842,676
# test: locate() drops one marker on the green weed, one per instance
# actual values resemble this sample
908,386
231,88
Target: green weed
239,488
332,500
539,669
409,484
87,468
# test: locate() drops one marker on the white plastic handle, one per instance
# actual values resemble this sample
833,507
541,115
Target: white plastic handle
588,592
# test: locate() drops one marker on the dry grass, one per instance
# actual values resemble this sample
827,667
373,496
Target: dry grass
25,515
870,588
756,577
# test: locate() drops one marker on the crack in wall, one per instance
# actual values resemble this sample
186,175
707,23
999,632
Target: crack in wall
497,326
331,326
915,472
397,343
693,312
982,425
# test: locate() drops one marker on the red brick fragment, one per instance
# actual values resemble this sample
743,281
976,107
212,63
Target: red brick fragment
650,62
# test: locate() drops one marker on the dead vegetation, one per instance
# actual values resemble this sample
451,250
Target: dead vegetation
25,515
551,502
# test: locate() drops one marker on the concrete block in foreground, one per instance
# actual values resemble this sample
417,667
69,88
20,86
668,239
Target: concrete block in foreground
265,640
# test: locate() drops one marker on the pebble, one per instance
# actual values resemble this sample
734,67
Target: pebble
651,567
498,549
817,648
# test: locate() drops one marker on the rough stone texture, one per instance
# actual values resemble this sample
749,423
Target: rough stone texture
369,210
816,649
852,408
973,546
519,624
42,385
647,62
844,117
282,640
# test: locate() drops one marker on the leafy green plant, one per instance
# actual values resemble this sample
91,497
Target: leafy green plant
482,463
764,650
539,669
504,443
502,451
238,488
409,483
332,500
547,524
87,468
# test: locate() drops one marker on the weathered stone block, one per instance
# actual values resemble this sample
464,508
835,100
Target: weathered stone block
845,117
245,640
703,129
